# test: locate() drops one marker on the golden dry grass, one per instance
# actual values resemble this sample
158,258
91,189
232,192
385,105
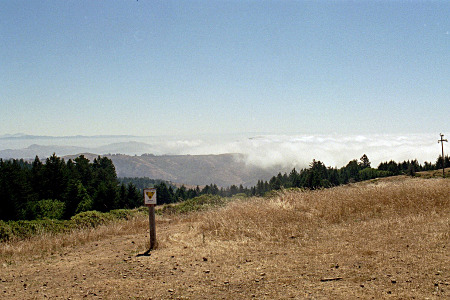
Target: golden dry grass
295,212
387,238
49,243
434,173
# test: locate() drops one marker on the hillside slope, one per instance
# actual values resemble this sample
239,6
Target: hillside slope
223,169
385,239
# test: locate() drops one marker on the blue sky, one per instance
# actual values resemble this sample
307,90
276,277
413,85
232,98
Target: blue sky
224,67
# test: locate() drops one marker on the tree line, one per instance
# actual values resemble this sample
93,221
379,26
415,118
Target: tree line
320,176
316,176
59,189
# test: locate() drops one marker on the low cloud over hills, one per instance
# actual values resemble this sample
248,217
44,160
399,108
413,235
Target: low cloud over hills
207,159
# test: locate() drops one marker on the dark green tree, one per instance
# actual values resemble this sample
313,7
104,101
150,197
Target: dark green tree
15,190
162,194
364,162
37,178
77,199
275,182
54,183
352,169
135,198
84,172
105,197
123,196
180,194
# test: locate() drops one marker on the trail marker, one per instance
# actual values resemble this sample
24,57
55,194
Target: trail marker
150,201
149,196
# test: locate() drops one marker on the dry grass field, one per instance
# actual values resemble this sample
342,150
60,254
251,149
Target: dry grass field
384,239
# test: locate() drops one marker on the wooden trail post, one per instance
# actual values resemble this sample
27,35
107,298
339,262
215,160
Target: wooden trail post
150,201
442,140
152,223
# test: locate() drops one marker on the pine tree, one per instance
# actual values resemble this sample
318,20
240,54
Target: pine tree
364,162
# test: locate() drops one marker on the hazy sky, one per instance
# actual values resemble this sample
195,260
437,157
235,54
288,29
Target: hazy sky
218,67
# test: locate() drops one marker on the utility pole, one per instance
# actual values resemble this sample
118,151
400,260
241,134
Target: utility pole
442,140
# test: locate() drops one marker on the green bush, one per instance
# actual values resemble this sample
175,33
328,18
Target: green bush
25,229
18,230
91,218
195,204
123,214
167,209
5,231
369,173
239,196
46,209
142,209
270,194
84,205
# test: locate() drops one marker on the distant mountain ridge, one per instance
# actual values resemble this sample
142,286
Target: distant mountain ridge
31,151
39,150
222,169
28,136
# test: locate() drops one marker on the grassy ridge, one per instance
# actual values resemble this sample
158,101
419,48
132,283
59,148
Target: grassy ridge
200,203
280,216
293,213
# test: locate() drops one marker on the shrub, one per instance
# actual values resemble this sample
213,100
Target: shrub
26,229
47,209
17,230
369,173
195,204
124,214
84,205
5,231
90,219
142,209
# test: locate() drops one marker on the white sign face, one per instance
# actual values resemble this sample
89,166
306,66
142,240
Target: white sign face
150,196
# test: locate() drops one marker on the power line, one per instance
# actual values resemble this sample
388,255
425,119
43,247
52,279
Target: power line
442,140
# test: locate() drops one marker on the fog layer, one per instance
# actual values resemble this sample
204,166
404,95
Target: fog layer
260,150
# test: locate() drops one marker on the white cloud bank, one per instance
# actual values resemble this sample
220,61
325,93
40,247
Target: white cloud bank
300,150
287,151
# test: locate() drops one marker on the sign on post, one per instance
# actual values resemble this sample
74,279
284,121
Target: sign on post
150,196
150,201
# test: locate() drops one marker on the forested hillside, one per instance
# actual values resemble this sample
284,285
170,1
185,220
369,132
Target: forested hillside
223,169
58,189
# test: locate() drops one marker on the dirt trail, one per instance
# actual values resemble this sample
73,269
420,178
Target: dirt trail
342,262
